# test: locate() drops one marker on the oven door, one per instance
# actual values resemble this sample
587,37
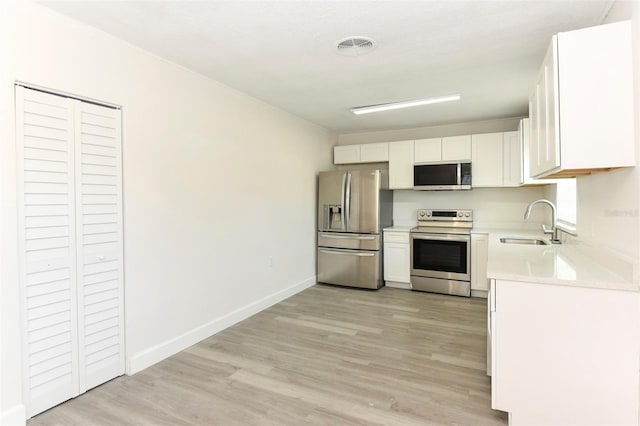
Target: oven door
441,256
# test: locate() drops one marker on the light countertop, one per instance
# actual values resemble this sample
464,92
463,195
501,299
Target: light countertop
571,263
398,228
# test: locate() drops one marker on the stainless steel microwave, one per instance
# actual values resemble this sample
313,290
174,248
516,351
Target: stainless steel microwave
442,176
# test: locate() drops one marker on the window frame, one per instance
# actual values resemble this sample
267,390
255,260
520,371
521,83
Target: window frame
563,223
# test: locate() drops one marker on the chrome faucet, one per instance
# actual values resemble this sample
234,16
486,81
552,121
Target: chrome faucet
554,225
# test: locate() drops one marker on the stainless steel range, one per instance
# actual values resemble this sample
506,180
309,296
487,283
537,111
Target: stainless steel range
440,252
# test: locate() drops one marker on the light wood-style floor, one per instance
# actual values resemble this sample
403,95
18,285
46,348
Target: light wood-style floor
327,355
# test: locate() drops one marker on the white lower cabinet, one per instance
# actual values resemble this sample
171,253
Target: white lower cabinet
397,262
479,257
70,246
564,355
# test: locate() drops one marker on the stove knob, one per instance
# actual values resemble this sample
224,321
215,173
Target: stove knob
467,214
428,214
421,214
459,214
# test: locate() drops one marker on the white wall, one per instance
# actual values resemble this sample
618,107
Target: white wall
492,207
215,184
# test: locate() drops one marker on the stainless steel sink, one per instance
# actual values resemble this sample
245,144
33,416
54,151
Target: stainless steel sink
529,241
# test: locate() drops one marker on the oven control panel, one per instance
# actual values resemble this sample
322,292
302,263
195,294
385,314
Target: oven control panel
446,215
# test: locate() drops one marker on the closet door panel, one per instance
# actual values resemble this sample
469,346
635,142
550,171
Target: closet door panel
99,236
46,218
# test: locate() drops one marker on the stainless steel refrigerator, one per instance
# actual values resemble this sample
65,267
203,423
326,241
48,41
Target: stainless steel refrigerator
353,207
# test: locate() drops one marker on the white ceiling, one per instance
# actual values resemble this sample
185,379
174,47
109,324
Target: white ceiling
283,52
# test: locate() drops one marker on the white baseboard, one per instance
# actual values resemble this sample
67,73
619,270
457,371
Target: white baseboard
148,357
395,284
16,416
480,293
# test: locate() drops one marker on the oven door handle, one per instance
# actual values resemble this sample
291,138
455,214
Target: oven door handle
462,238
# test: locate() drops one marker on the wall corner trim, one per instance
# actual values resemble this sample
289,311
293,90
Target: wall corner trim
157,353
15,416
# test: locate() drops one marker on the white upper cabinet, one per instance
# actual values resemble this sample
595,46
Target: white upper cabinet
487,160
401,165
525,129
581,108
497,158
453,148
512,159
428,150
374,152
456,148
346,154
365,153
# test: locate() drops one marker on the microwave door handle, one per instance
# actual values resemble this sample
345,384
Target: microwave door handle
459,173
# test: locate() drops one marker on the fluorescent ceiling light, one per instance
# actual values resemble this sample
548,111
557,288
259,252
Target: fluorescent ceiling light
403,104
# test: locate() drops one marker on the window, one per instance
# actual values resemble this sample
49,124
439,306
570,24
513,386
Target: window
567,205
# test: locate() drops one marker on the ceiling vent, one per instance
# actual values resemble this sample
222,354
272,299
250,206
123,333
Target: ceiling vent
355,46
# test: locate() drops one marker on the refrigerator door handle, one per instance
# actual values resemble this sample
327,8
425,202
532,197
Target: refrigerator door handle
343,200
346,237
348,253
347,201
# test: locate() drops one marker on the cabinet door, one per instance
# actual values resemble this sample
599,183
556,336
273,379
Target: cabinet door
583,342
401,160
595,84
456,148
486,152
98,165
346,154
551,153
47,248
396,262
544,145
479,256
374,152
533,151
428,150
512,159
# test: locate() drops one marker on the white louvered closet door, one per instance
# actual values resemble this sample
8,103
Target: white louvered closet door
99,241
71,270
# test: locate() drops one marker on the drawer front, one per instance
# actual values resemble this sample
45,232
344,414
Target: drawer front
396,237
349,268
